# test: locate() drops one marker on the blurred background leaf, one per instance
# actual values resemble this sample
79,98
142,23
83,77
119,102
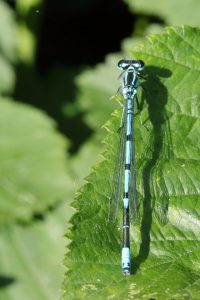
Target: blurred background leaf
31,257
28,27
7,32
172,12
7,48
33,162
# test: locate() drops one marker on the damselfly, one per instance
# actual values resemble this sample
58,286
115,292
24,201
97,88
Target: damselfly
130,83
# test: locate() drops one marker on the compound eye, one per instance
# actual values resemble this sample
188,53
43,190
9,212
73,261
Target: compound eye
140,65
123,64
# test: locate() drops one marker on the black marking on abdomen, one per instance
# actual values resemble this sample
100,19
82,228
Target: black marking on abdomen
125,195
129,137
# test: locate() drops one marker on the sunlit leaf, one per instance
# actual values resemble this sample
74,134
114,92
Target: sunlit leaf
165,243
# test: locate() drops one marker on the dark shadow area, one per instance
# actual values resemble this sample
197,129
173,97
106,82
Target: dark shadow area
6,281
70,35
82,32
50,93
156,96
12,3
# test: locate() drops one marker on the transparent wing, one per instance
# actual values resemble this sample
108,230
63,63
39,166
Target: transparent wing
132,181
116,192
121,75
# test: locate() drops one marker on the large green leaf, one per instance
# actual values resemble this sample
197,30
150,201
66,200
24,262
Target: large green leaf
173,12
33,162
31,257
165,242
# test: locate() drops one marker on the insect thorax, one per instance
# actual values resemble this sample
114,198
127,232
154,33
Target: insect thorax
128,92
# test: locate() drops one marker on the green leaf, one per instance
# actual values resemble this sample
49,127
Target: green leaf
29,19
31,257
95,87
33,162
7,76
7,32
87,156
165,242
7,47
173,12
25,6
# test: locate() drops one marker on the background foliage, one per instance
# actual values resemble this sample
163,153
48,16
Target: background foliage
56,92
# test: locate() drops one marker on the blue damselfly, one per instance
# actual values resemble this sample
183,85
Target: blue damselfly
126,160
